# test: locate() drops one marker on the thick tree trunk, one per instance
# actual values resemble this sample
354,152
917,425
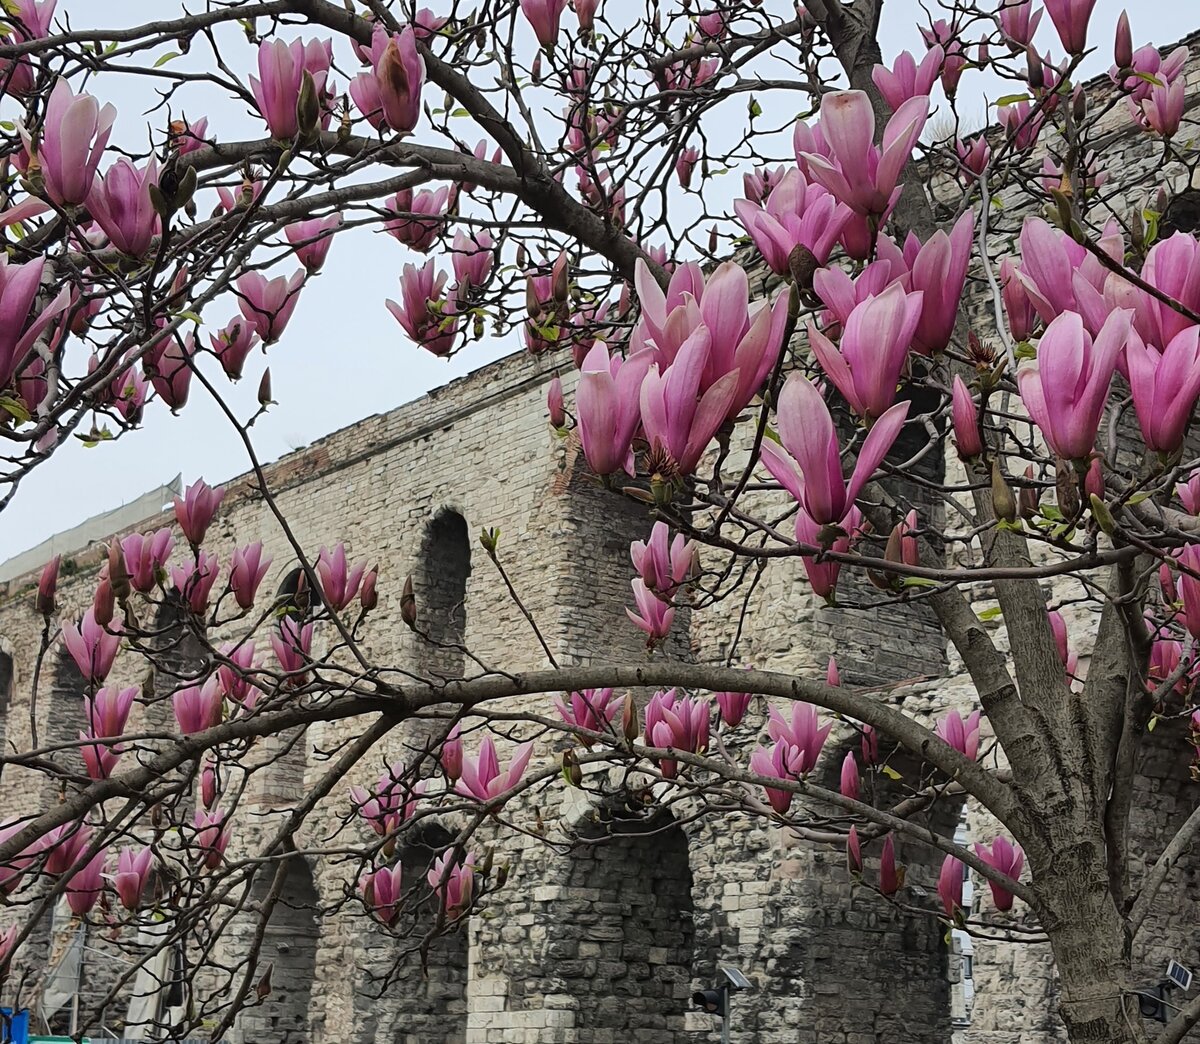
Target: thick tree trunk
1088,937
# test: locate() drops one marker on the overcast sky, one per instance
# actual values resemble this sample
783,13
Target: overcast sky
343,357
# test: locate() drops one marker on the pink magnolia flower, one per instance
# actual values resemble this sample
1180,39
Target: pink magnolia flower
382,893
833,676
1019,21
209,784
1070,18
554,404
453,882
1065,389
807,433
133,873
86,884
544,16
950,886
234,675
866,366
267,304
803,733
1022,124
733,706
1058,275
850,782
742,339
1162,111
796,213
391,802
74,135
188,137
145,556
1148,69
99,758
195,511
400,76
974,155
312,240
591,709
120,203
339,580
906,79
472,260
964,417
585,11
775,763
1165,387
212,837
281,69
822,572
12,871
108,711
34,16
48,586
1062,642
854,861
424,216
759,184
1172,266
962,735
947,35
1004,856
170,370
606,404
194,581
939,270
246,572
679,422
712,24
482,778
679,723
199,706
92,647
452,755
292,644
426,315
654,616
685,164
21,322
859,174
64,846
890,877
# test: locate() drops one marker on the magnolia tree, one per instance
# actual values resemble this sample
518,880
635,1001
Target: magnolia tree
554,170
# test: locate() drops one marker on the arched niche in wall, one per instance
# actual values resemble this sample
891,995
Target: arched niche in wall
404,997
8,685
598,942
440,586
289,946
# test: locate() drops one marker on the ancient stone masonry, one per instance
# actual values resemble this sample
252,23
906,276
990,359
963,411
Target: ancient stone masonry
600,941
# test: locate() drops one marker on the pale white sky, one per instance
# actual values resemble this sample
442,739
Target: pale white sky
343,357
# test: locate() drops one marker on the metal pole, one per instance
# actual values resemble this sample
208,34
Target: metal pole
726,1019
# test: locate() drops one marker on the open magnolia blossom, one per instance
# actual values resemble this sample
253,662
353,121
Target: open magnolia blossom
920,397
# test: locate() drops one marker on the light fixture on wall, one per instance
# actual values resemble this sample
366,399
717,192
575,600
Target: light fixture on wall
717,1001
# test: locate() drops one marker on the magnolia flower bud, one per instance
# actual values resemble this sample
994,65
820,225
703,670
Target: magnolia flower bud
264,389
368,598
104,603
554,403
1004,504
118,575
48,587
308,107
1123,48
408,604
1027,497
629,719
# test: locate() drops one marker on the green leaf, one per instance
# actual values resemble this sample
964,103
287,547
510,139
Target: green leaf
190,315
8,125
772,434
918,581
166,58
1012,99
16,407
1150,78
460,112
755,108
1137,498
891,773
1151,723
1025,350
111,47
994,613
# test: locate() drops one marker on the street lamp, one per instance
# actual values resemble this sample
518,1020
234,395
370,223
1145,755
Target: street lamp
717,1001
